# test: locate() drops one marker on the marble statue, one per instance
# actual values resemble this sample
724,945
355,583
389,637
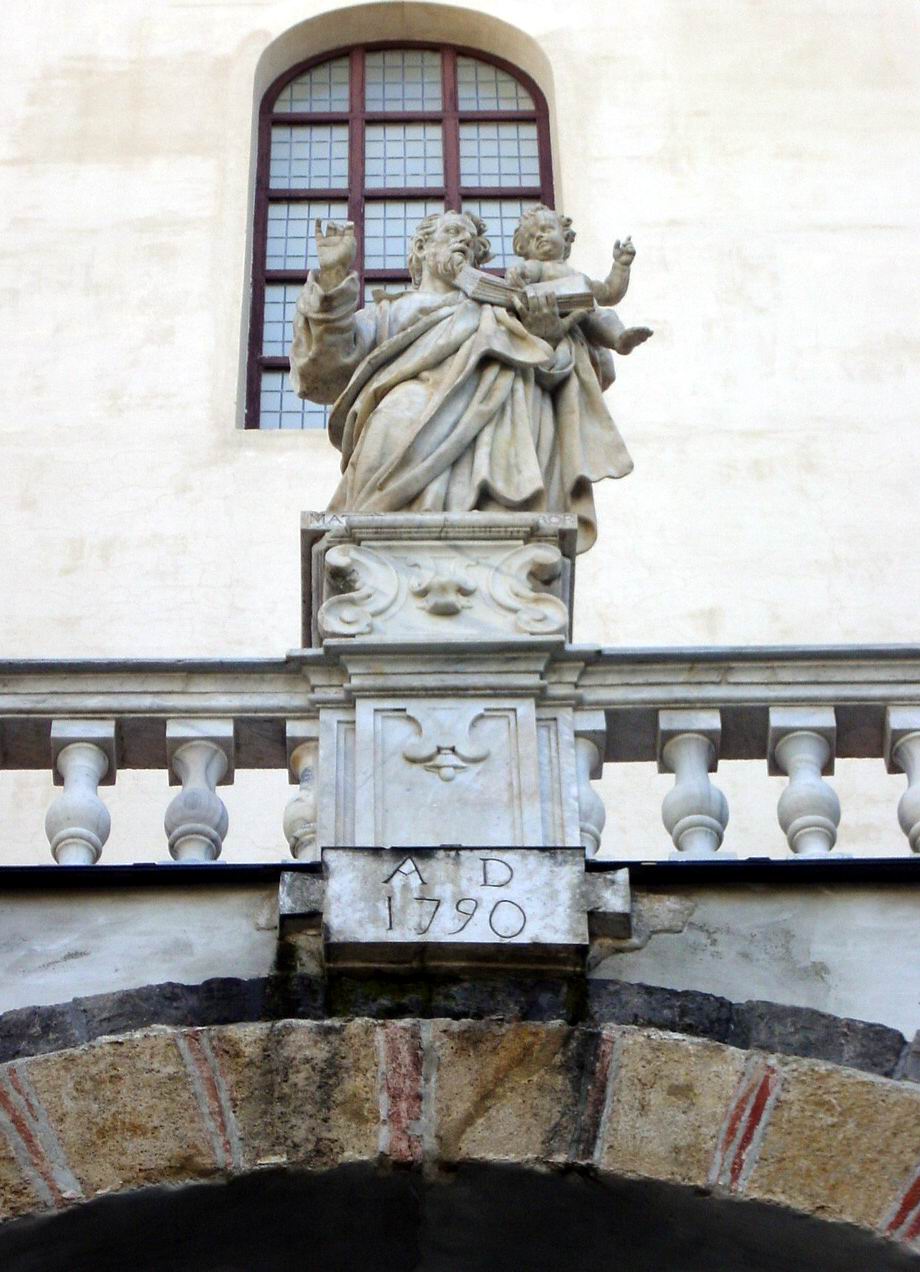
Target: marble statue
465,392
544,240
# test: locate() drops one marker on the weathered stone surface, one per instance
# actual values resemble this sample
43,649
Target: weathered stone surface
27,1031
501,1093
19,1194
170,1106
665,1105
326,1105
839,1143
679,1011
510,996
124,1112
454,906
802,1031
908,1067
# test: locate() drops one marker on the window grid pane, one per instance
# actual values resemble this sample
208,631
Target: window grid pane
499,155
388,224
403,79
322,88
501,217
403,155
278,318
280,407
290,243
309,155
502,155
481,86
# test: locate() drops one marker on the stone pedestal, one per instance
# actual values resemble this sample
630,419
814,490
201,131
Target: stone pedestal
445,624
442,726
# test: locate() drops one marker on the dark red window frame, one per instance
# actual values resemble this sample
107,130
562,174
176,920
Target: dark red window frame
449,116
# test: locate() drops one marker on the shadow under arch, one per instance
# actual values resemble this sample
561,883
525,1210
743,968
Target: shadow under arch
477,1218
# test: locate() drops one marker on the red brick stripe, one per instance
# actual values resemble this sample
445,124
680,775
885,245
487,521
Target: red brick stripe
400,1061
24,1124
744,1125
904,1224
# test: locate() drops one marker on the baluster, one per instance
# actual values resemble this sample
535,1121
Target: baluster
300,812
200,755
801,744
902,753
694,812
590,741
77,822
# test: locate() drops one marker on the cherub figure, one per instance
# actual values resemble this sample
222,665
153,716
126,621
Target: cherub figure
544,239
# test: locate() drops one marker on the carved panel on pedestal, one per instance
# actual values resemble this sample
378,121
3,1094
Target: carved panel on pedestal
435,772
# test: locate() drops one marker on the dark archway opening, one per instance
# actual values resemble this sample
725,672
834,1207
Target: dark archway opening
477,1219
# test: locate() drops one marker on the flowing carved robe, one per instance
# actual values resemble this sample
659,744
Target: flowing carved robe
444,404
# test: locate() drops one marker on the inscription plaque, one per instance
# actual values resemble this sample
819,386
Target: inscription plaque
454,905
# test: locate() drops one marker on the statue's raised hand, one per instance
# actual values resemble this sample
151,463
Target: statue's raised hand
335,247
624,253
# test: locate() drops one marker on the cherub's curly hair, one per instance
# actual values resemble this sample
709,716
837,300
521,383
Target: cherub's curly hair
523,231
482,248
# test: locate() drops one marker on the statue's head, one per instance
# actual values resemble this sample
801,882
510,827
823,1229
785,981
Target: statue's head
543,235
446,241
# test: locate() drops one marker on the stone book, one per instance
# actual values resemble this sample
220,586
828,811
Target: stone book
492,290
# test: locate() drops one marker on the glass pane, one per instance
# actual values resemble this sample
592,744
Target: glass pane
323,88
499,155
484,87
304,155
278,318
403,155
501,217
403,79
290,243
388,224
280,407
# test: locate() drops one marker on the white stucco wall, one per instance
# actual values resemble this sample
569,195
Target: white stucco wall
764,158
852,951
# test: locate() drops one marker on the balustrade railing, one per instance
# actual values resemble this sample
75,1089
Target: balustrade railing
797,710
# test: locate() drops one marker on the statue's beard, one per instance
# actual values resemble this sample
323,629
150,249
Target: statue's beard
446,262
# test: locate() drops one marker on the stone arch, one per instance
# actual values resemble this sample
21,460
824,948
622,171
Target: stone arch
409,20
180,1107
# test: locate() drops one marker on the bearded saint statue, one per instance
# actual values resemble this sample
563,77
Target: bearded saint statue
447,403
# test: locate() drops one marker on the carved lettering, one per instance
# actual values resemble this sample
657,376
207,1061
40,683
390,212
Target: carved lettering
436,902
401,870
507,919
469,901
491,872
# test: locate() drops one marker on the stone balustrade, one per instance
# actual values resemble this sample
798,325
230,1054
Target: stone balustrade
689,711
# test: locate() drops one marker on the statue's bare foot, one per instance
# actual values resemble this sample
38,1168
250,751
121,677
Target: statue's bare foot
632,337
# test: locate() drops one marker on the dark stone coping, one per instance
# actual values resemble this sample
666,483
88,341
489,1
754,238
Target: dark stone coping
781,872
766,1026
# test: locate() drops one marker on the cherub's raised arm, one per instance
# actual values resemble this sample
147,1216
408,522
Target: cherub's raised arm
330,338
612,290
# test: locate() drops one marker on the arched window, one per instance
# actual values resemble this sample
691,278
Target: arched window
380,135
